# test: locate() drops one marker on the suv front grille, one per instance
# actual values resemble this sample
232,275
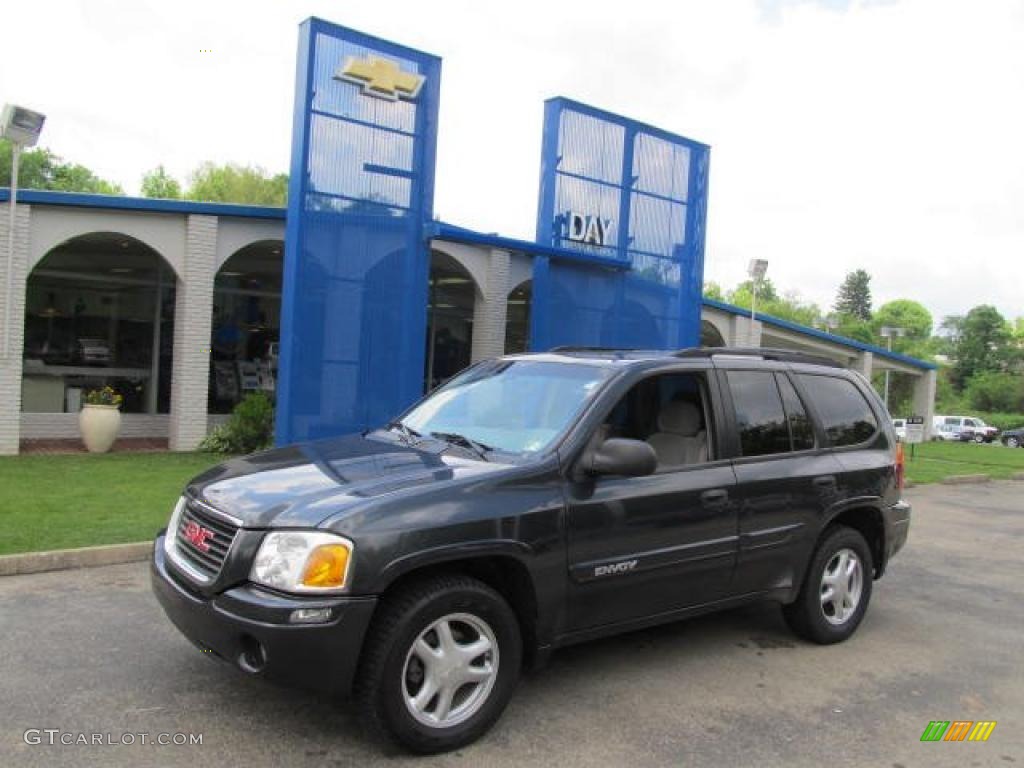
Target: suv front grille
204,540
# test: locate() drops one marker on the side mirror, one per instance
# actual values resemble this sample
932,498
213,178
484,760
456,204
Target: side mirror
621,456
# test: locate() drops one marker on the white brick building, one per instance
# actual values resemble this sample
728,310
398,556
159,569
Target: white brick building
177,305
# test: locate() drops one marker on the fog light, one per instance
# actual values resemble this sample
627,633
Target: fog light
310,615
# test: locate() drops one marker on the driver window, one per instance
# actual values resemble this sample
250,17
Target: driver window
669,412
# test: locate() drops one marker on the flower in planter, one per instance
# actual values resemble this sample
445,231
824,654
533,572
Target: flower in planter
106,396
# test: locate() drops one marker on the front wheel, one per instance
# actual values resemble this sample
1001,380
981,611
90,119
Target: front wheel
836,590
979,439
1013,442
440,664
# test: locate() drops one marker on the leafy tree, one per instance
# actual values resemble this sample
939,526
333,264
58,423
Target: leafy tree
159,183
713,290
769,302
232,183
991,391
854,297
909,315
40,168
983,343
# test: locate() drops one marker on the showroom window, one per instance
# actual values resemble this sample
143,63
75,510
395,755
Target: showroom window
99,311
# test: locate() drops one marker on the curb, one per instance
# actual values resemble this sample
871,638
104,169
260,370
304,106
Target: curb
85,557
965,479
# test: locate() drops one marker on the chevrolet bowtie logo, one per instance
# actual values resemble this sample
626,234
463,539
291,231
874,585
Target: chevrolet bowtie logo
380,77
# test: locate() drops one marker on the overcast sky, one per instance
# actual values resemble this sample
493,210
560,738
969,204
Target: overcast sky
882,135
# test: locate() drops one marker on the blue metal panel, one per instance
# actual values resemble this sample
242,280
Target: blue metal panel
652,187
354,304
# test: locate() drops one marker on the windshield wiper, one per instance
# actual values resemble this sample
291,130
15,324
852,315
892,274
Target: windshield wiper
462,441
410,435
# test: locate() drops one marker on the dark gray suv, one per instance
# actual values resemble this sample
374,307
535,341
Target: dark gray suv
532,502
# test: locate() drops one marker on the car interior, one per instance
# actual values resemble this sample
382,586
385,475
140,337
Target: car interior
669,412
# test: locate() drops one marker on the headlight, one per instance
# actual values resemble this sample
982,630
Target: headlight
303,561
172,527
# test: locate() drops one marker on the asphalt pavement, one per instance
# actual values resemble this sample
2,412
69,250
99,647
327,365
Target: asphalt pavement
90,652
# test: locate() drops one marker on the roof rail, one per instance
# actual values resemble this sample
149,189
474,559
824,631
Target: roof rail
764,353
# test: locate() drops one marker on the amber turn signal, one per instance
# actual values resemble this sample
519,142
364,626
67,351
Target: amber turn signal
326,566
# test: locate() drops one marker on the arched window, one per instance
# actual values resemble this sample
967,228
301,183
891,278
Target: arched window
99,311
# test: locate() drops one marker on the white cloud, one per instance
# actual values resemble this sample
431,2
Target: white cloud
844,135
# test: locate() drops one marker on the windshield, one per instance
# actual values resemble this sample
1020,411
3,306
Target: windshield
513,406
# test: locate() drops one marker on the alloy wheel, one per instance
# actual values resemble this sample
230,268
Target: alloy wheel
450,670
841,586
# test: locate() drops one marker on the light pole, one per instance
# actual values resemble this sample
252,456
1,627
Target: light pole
756,270
21,127
887,332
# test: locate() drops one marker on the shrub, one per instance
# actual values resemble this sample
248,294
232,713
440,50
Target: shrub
250,428
995,392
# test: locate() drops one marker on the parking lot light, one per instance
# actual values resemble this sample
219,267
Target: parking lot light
21,127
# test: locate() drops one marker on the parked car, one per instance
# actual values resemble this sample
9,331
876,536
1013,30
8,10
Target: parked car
532,502
963,428
1013,438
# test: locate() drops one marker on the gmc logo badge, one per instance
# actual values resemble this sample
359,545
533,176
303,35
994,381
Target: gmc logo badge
198,535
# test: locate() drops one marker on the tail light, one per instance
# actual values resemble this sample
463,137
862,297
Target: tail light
900,467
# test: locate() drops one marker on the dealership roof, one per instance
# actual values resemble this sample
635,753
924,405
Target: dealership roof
439,230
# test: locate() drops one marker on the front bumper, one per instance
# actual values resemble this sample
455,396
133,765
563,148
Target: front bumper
249,627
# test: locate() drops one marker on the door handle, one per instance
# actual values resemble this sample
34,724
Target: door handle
714,498
825,482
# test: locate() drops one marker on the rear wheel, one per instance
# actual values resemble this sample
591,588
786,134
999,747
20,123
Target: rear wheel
836,590
440,665
1013,442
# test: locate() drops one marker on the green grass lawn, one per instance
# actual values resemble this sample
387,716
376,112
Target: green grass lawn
933,461
79,500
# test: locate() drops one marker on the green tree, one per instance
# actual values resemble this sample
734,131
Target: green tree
854,297
232,183
41,169
159,183
909,315
788,306
991,391
983,343
713,290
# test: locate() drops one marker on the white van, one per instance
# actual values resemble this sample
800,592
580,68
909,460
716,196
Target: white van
962,428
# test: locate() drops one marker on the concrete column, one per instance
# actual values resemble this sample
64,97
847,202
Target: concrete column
864,364
193,320
744,332
924,399
11,365
491,309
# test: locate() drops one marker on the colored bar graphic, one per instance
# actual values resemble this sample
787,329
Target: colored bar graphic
935,730
982,730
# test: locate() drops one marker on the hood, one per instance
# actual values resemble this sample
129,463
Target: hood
302,485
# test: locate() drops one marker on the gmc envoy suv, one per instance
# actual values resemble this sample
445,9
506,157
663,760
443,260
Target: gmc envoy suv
531,502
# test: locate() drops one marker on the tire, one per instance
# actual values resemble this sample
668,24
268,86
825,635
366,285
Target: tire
809,615
396,666
1012,442
979,439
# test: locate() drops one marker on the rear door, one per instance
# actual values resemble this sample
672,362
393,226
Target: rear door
786,479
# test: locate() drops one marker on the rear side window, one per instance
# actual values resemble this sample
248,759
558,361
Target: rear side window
845,414
760,418
800,428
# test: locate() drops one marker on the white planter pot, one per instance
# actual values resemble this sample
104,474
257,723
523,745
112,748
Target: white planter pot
99,425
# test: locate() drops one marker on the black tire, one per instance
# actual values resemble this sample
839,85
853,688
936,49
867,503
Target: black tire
806,615
1013,442
380,683
979,439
